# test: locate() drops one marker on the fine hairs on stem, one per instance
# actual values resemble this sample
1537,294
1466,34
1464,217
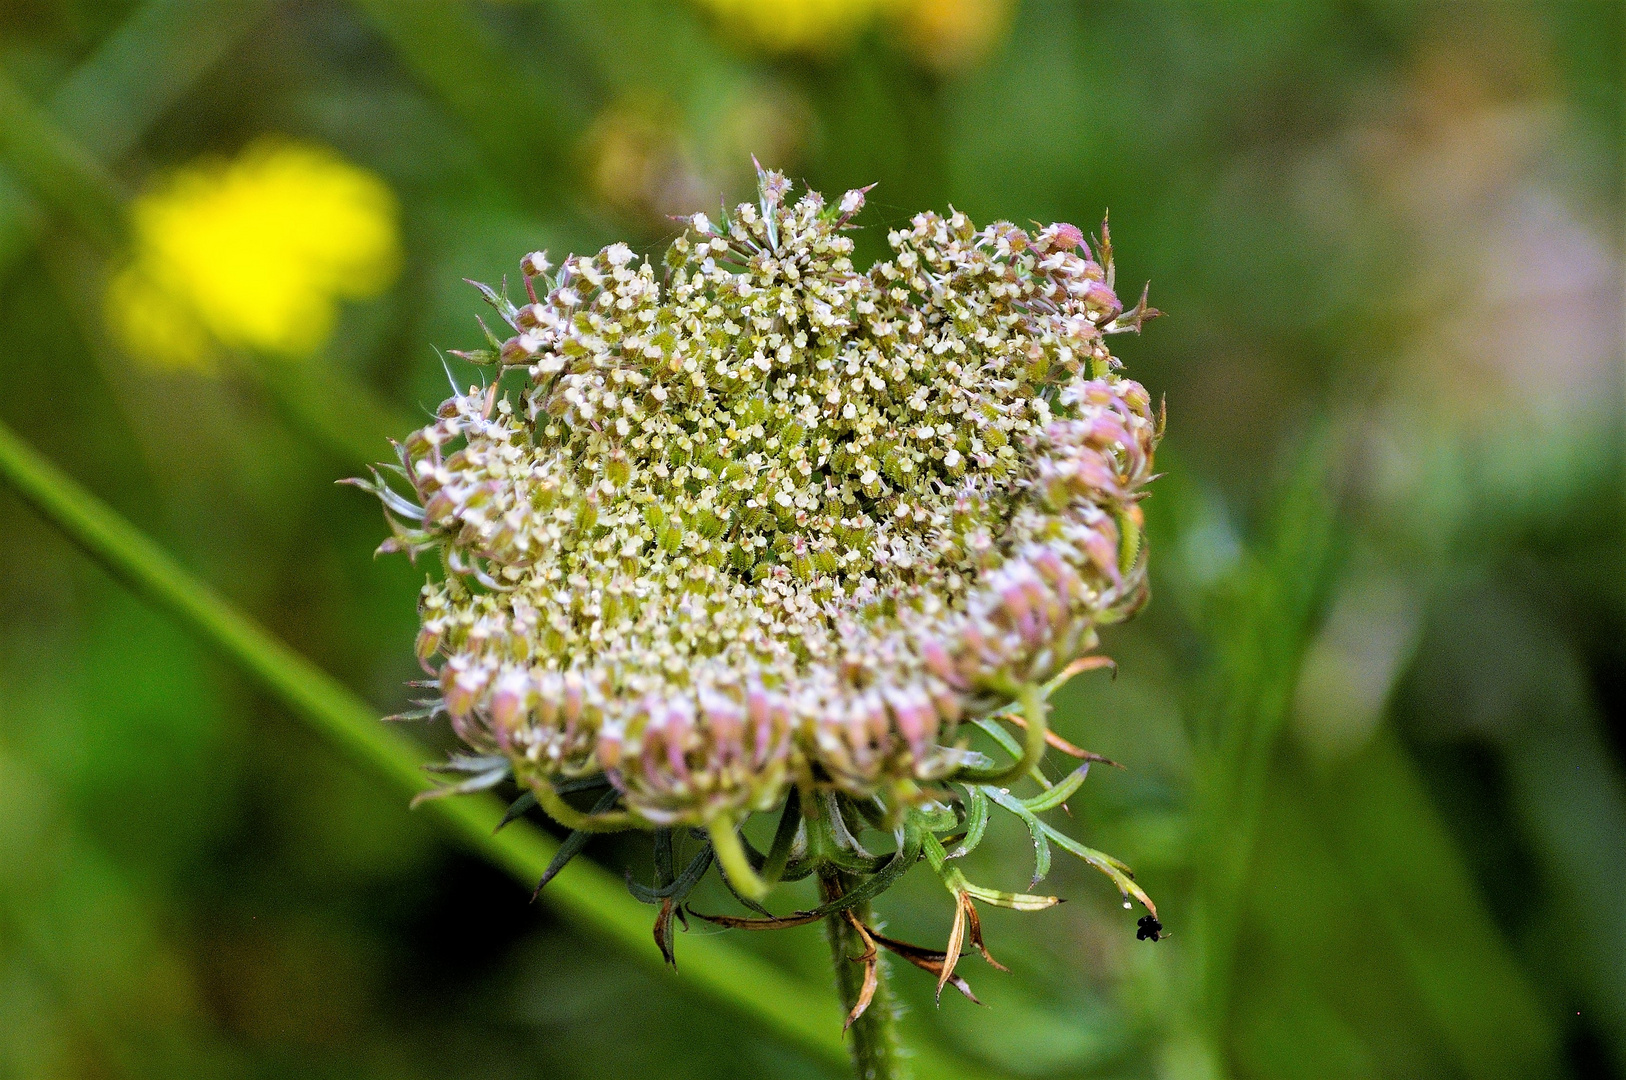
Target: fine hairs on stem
861,975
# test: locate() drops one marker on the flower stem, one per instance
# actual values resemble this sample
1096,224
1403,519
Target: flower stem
571,818
875,1049
725,842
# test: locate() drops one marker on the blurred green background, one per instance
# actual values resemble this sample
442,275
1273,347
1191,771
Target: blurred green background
1375,717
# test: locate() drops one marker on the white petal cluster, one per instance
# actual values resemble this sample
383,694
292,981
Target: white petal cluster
761,518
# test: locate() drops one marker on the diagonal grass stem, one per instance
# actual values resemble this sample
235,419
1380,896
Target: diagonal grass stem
586,895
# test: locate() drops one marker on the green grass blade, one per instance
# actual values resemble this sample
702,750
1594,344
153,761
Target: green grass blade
1417,888
587,895
347,418
57,170
1412,880
1260,634
517,121
146,66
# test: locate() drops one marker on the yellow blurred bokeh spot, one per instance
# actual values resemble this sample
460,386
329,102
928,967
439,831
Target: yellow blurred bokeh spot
255,253
782,26
947,35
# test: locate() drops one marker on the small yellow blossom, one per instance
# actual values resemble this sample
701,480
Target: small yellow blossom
786,26
252,253
952,35
945,35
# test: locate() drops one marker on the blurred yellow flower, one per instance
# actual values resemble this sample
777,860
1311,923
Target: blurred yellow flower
952,35
946,35
783,26
252,253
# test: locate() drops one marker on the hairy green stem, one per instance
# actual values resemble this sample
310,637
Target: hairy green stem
876,1051
571,818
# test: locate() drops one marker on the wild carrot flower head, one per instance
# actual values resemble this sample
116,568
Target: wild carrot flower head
761,519
759,528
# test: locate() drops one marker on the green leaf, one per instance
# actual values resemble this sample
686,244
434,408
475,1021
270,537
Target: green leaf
1014,901
976,822
1119,873
517,809
1006,741
1041,846
790,821
573,845
1059,794
679,887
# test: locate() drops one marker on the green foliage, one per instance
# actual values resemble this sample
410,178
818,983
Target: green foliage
1383,838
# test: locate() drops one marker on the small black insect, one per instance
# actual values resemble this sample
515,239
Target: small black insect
1149,928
